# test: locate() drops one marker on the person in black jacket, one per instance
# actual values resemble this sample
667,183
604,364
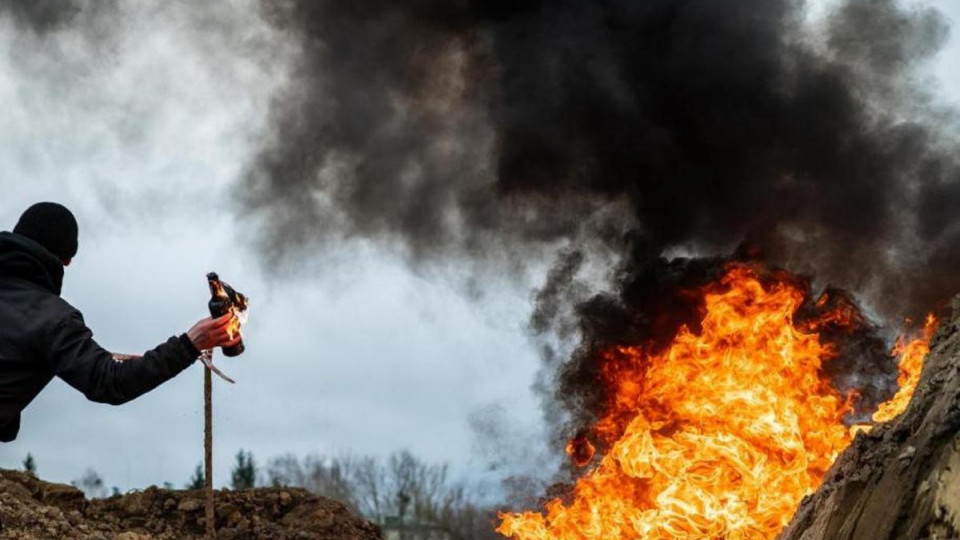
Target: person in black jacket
42,336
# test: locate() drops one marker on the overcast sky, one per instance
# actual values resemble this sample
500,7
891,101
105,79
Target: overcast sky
142,128
142,133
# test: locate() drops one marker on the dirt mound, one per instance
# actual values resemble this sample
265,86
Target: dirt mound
34,509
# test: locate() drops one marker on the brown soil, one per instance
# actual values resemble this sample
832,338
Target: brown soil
34,509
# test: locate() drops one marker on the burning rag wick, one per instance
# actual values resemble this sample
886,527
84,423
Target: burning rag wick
239,319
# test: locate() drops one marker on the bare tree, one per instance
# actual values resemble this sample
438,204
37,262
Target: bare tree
420,495
401,491
369,484
330,477
285,471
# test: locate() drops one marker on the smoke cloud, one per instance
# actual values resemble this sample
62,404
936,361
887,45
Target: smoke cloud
489,130
477,127
40,15
390,129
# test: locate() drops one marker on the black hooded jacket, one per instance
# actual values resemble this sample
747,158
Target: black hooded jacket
42,336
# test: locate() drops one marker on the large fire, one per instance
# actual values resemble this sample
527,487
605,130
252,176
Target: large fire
718,436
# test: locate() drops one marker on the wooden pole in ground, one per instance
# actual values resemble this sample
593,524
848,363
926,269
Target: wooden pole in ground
208,452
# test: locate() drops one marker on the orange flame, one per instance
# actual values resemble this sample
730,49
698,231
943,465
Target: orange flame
718,436
239,305
581,451
234,327
911,355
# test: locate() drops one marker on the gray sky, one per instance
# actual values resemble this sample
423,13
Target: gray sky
355,353
142,128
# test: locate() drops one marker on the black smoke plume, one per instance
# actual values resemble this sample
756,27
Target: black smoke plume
645,128
471,127
40,15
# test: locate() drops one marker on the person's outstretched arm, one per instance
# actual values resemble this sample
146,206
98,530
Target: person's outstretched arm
75,357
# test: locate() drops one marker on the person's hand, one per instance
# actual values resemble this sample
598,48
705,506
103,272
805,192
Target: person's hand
210,333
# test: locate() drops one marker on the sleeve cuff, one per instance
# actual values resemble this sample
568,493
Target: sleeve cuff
189,347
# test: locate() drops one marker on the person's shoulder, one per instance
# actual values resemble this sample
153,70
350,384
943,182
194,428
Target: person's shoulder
57,317
26,310
17,290
59,310
40,304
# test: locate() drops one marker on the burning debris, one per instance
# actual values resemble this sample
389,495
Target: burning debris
722,430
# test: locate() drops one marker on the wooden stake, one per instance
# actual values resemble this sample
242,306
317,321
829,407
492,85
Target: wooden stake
208,452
